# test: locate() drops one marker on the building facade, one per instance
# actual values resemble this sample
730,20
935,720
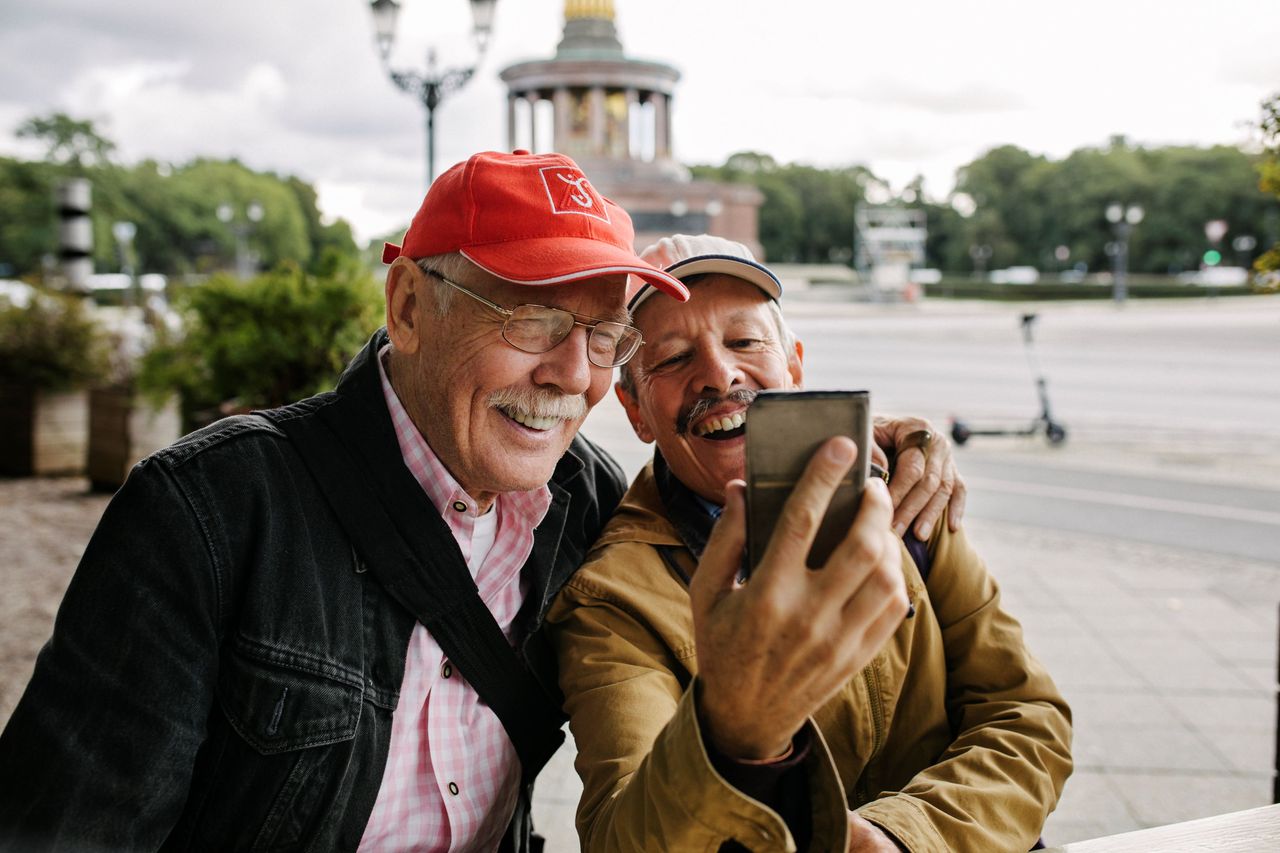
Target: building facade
612,114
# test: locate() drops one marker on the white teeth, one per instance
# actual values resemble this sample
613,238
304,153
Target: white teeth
533,421
721,424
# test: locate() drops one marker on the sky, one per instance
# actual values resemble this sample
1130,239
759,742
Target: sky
919,88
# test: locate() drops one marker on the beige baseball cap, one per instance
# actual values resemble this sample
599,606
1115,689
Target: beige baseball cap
682,256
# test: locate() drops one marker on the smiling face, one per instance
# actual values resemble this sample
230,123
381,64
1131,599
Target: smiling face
498,418
701,365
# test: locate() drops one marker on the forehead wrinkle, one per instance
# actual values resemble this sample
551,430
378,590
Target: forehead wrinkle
740,315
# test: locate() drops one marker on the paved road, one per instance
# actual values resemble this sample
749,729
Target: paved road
1173,410
1174,368
1224,519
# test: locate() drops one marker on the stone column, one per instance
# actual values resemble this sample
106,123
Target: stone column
511,120
597,120
633,102
661,126
532,97
560,126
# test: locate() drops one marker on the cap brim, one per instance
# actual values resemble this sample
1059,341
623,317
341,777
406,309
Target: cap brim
750,271
562,260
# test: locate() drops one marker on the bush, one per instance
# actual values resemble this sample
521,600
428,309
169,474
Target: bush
51,344
264,342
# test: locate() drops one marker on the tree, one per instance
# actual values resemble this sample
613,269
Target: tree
274,338
1008,186
70,142
174,208
28,221
807,214
1269,170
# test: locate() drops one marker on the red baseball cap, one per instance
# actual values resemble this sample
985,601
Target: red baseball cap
527,218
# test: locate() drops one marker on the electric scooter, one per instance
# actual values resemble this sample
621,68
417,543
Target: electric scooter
1054,431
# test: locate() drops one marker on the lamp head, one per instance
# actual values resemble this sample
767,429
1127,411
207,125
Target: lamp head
385,13
482,16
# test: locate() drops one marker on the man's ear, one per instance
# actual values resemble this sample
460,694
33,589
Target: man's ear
795,366
632,407
406,293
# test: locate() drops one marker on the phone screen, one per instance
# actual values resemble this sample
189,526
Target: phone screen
784,429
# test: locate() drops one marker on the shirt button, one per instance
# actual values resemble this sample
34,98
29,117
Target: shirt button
453,788
446,670
459,506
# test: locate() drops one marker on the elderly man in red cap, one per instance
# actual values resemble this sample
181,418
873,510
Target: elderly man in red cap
800,710
316,627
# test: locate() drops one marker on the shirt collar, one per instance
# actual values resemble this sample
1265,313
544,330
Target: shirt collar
444,492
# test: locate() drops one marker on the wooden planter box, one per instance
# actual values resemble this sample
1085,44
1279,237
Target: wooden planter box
42,432
123,429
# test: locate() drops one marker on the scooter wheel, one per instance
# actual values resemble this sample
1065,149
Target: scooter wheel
959,432
1056,433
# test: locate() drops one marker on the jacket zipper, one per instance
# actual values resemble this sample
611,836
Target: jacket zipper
871,675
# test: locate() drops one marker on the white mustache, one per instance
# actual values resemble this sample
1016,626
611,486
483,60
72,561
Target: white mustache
539,403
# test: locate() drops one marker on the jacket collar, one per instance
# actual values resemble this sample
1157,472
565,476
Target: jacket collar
687,512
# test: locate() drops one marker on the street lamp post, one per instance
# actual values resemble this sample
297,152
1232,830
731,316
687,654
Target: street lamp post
124,232
431,86
980,253
1122,220
1244,244
246,260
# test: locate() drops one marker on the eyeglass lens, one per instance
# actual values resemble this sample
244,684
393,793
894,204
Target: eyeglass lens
535,328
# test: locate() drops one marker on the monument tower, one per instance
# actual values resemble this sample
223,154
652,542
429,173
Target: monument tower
612,114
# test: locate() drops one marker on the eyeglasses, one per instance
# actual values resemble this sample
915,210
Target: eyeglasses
538,328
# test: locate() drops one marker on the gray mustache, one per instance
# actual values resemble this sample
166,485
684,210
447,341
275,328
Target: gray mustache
700,407
539,403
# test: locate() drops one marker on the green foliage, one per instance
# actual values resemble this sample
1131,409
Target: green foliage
51,344
28,220
1027,205
807,215
174,208
1269,171
267,341
69,142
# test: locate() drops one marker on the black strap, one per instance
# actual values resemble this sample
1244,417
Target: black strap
421,566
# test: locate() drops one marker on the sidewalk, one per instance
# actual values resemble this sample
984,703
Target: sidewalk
1167,657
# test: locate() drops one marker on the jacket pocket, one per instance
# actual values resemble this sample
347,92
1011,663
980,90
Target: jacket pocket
278,703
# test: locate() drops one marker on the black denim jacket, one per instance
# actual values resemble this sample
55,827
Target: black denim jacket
223,669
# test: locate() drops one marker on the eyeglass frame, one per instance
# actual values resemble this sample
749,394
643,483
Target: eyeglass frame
508,313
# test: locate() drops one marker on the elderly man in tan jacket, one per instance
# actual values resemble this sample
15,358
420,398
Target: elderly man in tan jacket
884,702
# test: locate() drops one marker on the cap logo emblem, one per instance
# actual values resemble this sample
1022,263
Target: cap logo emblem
569,191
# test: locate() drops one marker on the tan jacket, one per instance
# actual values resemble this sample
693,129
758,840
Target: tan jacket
953,738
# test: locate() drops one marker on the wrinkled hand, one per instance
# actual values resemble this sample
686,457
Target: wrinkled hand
925,480
866,837
773,650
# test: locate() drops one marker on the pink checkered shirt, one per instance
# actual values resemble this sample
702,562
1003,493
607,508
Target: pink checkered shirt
452,774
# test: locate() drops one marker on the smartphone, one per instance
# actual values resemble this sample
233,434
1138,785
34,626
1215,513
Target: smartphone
784,429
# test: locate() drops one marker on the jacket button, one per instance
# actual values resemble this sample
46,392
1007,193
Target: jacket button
446,670
453,788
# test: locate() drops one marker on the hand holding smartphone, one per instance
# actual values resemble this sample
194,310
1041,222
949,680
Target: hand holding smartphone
783,430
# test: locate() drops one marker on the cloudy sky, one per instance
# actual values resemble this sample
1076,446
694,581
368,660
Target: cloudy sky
906,88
